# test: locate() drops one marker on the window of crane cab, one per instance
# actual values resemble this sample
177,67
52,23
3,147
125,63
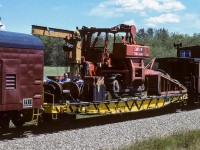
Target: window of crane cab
98,41
185,53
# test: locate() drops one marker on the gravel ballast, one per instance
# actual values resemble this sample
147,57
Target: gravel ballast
108,136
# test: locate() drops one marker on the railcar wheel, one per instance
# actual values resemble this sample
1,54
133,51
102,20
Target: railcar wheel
5,121
18,122
17,119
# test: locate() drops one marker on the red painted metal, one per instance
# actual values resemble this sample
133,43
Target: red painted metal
23,70
123,68
21,74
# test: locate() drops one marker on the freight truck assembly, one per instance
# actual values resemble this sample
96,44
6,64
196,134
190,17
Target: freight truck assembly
114,81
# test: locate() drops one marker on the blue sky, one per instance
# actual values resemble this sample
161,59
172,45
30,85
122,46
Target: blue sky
181,16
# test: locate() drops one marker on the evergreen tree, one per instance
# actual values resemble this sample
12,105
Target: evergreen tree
160,42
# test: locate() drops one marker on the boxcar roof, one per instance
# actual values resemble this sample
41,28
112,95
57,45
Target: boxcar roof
20,40
190,47
177,59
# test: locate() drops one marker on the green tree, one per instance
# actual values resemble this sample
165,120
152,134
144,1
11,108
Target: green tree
160,42
54,55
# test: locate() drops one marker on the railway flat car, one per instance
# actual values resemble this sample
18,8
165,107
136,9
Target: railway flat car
114,81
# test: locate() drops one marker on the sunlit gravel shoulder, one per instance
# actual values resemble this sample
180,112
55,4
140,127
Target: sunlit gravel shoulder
109,136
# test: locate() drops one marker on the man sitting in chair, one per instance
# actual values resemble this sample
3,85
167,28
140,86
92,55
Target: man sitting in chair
65,79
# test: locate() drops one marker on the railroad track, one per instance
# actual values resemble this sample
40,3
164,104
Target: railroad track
111,131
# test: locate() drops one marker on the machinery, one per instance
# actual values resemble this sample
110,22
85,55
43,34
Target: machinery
123,69
115,81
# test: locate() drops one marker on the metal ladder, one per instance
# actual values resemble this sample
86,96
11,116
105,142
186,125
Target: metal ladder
35,117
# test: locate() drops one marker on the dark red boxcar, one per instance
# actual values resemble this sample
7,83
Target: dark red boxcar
21,76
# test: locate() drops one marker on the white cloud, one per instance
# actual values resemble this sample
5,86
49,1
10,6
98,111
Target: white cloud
163,5
130,22
156,5
105,9
112,8
164,18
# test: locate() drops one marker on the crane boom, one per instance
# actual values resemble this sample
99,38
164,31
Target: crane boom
53,32
75,54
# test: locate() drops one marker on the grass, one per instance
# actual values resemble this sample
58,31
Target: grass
55,71
185,140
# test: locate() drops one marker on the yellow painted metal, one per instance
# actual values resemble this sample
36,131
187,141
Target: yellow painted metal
35,116
60,33
47,31
123,105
